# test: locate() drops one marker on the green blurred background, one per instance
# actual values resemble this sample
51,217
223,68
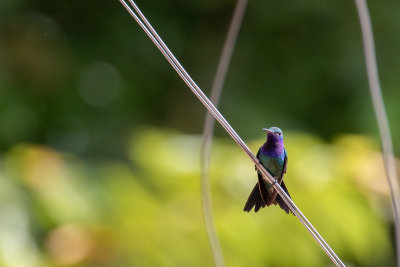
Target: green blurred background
100,139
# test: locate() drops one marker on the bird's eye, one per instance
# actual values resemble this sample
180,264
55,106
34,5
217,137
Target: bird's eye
279,133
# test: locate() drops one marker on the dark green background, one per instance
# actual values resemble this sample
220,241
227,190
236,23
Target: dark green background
298,65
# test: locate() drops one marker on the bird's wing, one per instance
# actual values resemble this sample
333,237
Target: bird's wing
261,184
284,166
258,153
285,162
258,157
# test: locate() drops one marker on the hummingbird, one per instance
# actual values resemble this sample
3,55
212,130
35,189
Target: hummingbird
273,157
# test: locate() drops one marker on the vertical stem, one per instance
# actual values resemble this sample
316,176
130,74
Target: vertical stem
209,124
381,116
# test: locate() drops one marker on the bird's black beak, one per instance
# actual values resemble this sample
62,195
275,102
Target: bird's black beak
266,130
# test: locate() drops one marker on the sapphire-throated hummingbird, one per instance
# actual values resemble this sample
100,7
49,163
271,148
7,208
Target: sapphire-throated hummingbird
273,157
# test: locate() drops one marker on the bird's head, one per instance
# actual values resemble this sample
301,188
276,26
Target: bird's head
274,133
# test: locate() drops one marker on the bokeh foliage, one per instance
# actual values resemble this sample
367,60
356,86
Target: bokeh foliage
79,78
62,211
84,180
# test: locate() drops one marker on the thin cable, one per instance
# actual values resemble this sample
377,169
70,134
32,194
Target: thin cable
208,131
145,25
381,116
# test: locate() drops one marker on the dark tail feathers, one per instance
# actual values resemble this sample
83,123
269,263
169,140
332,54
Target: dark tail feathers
260,196
254,200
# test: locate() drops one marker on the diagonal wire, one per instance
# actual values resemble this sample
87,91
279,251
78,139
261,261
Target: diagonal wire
381,116
208,131
152,34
